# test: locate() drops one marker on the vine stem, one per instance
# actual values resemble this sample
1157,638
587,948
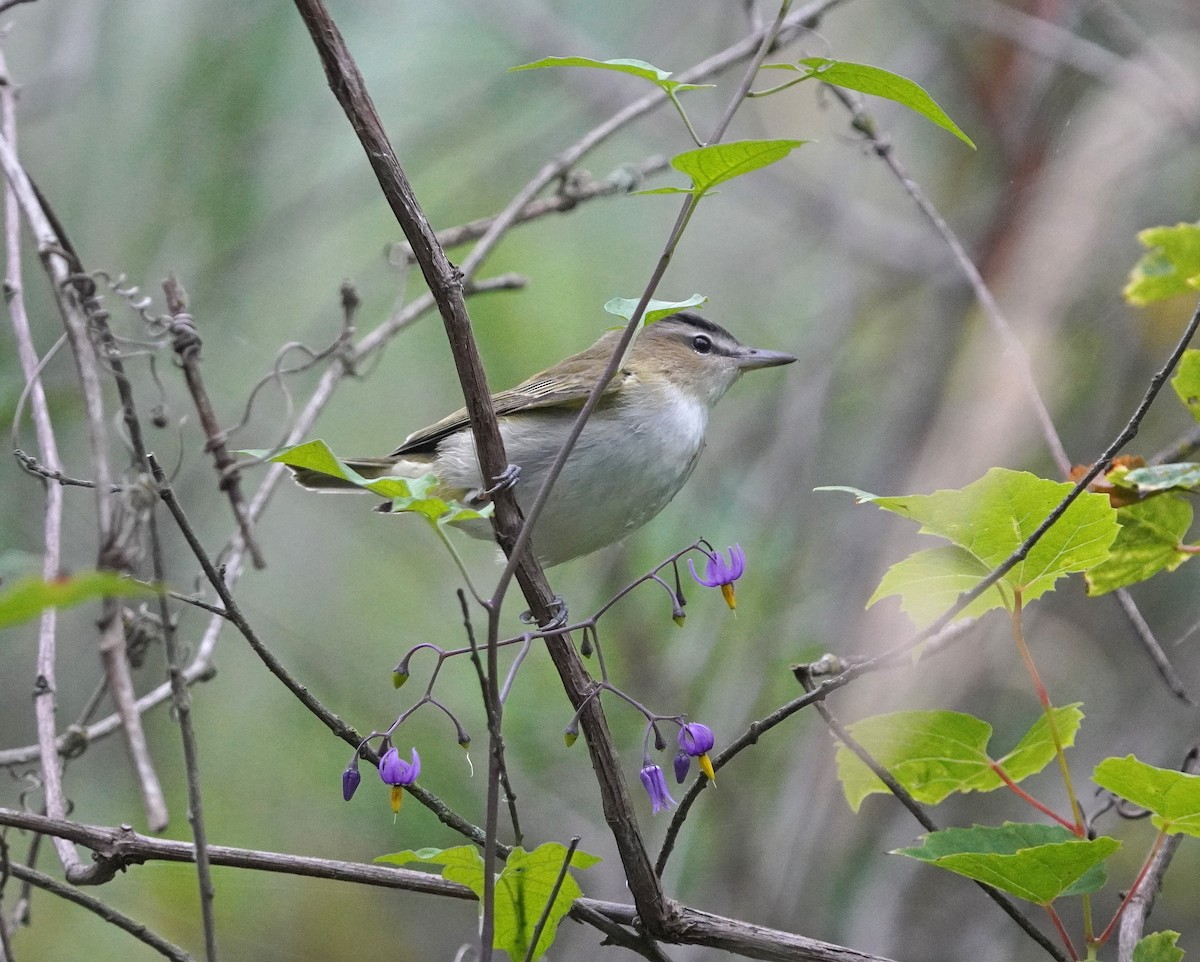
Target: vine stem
1025,796
1048,709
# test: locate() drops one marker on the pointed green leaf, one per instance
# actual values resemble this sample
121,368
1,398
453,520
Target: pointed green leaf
1036,749
877,82
1172,797
935,753
635,68
930,581
26,598
930,753
523,890
1171,267
462,864
1158,947
713,165
655,310
989,519
408,495
1150,540
1037,863
1186,381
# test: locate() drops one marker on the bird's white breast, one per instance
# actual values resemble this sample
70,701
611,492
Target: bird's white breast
630,461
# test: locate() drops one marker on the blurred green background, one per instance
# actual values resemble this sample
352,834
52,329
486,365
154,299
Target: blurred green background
200,138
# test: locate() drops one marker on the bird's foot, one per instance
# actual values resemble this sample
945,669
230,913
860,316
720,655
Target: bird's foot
504,481
558,615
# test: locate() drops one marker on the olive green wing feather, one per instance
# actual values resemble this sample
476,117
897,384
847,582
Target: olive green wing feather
564,388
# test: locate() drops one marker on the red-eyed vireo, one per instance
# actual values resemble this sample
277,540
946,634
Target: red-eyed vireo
636,451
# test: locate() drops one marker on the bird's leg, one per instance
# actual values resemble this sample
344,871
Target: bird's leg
558,615
505,480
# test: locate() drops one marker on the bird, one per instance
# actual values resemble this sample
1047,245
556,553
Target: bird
636,451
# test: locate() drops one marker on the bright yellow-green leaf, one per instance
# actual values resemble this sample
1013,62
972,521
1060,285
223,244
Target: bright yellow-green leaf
655,310
1158,947
1171,267
1150,541
1035,750
635,68
930,581
878,83
1172,797
522,889
933,754
988,520
25,598
1037,863
408,495
713,165
1186,381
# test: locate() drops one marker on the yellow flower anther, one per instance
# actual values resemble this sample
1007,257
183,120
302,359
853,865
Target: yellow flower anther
705,764
397,798
727,591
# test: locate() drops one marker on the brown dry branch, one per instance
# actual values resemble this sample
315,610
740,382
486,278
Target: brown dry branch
120,848
185,342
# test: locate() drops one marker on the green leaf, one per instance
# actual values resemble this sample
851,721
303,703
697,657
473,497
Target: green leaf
1158,947
877,82
26,598
713,165
462,864
935,753
408,495
930,753
635,68
930,581
1149,541
1186,381
1184,475
1172,797
522,888
655,310
1171,267
988,520
1036,749
1037,863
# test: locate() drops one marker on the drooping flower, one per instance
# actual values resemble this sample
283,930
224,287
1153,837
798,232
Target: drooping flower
395,771
683,763
656,787
719,573
696,740
350,780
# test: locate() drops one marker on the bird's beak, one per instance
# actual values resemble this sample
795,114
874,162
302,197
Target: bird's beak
751,358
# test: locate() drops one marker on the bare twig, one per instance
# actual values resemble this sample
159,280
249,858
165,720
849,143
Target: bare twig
105,912
185,341
46,693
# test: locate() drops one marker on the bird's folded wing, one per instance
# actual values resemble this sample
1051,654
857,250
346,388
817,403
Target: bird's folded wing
540,391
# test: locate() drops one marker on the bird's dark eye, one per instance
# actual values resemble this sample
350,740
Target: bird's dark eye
702,344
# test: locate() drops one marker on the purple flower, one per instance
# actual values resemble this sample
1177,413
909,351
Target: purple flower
719,573
656,787
395,771
350,780
696,740
683,762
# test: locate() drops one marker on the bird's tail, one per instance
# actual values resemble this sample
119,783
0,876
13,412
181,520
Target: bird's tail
368,467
